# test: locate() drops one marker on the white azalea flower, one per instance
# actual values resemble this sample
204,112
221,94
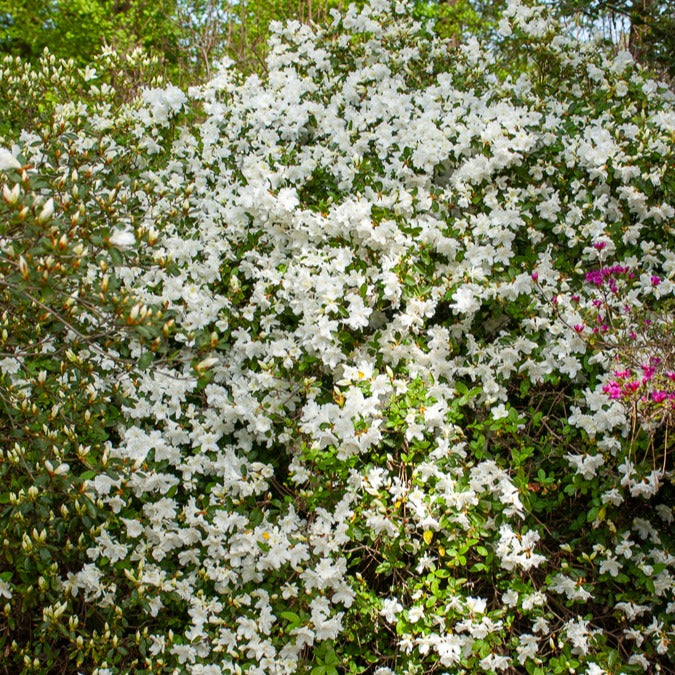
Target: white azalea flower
8,160
122,239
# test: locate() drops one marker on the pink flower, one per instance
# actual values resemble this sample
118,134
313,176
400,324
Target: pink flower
655,280
612,389
535,277
659,396
648,372
579,327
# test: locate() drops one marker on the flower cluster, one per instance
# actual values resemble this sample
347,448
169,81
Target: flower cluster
627,383
289,368
621,323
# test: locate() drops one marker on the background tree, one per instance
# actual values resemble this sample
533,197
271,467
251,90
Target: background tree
186,35
189,35
79,29
645,27
212,29
455,18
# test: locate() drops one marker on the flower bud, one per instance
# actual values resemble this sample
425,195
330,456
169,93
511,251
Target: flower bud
47,212
206,364
23,267
11,196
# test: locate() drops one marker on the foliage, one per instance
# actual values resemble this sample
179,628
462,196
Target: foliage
185,36
647,27
33,92
65,367
300,373
457,18
80,29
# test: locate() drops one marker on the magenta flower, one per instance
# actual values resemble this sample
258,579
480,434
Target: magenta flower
595,277
612,389
659,396
648,372
656,280
579,327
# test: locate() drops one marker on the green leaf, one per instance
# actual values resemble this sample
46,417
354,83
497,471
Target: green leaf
146,359
116,257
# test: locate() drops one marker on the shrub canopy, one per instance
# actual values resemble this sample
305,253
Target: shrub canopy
366,366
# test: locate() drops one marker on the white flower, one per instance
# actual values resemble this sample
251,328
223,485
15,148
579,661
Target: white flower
464,300
499,411
586,465
8,161
640,660
288,199
611,565
495,662
578,633
122,239
390,608
510,598
5,590
10,365
565,586
415,613
134,527
518,550
527,649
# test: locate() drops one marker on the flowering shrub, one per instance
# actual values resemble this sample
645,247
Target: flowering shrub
289,379
642,344
617,322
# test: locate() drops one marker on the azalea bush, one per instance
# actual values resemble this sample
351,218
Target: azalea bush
301,374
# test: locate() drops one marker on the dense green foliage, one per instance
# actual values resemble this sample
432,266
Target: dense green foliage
185,36
80,29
